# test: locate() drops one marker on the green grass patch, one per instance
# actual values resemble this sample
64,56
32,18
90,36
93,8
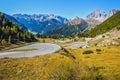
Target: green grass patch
88,52
23,50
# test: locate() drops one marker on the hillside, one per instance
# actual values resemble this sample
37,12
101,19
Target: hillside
12,19
92,23
106,26
109,38
11,33
72,27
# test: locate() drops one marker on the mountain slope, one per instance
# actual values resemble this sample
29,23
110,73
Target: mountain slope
96,17
92,23
11,33
106,26
14,20
109,38
40,23
74,26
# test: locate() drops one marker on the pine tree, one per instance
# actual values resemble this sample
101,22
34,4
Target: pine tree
9,40
18,36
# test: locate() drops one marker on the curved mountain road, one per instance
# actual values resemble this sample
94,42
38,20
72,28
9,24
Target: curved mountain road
42,48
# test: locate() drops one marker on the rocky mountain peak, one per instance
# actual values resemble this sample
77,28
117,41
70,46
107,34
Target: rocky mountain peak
96,13
76,21
100,15
103,14
112,12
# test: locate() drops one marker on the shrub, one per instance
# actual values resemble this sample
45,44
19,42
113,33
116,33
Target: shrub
4,42
98,51
88,52
43,41
118,27
103,36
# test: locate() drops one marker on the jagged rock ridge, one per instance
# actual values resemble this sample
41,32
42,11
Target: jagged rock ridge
40,23
101,15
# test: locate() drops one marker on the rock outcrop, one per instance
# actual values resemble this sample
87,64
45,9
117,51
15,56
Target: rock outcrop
112,12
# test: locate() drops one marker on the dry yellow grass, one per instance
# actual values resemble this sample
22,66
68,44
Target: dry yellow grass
59,66
108,59
45,40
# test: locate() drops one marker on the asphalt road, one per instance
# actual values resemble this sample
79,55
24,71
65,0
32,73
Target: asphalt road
76,45
42,48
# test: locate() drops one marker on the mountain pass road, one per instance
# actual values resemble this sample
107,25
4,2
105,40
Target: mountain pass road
41,48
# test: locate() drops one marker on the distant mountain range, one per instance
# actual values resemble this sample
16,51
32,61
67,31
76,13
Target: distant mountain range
80,25
52,24
72,27
40,23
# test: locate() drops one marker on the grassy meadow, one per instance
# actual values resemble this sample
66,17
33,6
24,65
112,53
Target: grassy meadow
70,64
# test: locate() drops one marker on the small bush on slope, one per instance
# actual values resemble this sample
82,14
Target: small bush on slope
88,52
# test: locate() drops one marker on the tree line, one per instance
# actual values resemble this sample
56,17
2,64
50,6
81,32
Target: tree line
11,33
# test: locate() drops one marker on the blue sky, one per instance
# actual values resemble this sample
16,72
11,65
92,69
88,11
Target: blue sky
66,8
